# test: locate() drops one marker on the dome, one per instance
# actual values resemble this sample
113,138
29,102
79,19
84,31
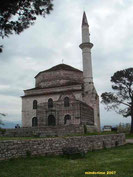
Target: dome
61,67
59,75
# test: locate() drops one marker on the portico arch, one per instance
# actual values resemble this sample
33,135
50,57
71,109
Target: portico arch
51,120
34,122
67,119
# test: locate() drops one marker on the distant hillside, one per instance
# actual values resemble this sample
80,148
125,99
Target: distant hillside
10,124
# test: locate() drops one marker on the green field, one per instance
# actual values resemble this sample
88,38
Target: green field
119,159
34,137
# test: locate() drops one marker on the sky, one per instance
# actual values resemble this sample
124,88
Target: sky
57,37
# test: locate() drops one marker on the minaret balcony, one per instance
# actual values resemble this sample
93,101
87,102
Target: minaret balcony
86,45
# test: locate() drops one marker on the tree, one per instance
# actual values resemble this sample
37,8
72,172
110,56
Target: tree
1,114
18,15
121,99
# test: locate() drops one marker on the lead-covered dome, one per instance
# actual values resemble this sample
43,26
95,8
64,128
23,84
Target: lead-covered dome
59,75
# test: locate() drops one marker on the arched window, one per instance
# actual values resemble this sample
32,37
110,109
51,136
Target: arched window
50,103
66,102
67,119
35,104
34,122
51,120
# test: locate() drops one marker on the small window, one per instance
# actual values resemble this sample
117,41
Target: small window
34,122
35,104
67,119
50,103
66,102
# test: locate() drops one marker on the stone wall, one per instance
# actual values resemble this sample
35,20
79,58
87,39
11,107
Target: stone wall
27,101
44,131
79,112
54,146
86,114
59,112
92,99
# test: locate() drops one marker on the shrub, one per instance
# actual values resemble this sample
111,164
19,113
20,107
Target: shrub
85,129
36,134
73,152
124,128
28,153
114,129
2,131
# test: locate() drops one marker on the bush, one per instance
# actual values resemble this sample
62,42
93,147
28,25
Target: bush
114,129
28,153
123,128
85,129
2,131
36,134
73,152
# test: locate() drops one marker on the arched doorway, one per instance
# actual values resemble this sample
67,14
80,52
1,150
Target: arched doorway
67,119
51,120
34,122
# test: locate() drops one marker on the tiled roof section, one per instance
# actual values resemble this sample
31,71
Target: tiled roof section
60,67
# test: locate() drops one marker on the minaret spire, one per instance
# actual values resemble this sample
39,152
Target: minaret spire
84,20
86,53
90,95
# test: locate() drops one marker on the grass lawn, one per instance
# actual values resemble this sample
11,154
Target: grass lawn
27,138
18,138
129,136
119,159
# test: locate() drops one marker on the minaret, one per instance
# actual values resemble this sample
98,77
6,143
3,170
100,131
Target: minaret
90,95
86,53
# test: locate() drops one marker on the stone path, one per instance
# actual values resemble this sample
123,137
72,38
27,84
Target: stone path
129,141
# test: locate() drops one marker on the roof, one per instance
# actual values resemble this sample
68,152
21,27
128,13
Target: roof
60,67
67,84
84,20
47,93
85,104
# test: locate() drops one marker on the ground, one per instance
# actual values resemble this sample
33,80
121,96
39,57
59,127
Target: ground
128,136
117,159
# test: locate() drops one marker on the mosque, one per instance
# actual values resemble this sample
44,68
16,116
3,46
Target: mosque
64,95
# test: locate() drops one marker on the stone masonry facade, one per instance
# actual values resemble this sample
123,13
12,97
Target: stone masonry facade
57,85
54,146
45,131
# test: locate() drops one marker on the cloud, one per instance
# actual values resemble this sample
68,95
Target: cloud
57,37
